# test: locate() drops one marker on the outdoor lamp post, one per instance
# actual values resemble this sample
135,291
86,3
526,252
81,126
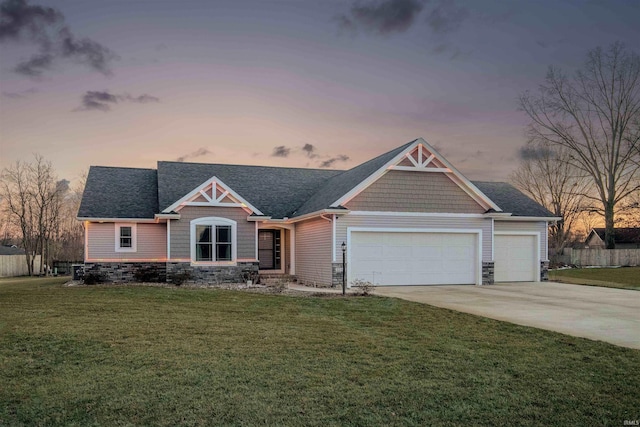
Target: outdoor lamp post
344,263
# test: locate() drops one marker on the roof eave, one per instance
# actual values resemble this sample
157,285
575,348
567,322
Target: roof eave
334,211
167,216
256,218
104,219
526,218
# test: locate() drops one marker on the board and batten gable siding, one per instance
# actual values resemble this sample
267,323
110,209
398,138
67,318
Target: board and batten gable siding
181,230
527,227
151,242
313,251
406,191
415,221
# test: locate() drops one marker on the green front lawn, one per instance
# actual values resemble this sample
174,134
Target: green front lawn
624,277
172,356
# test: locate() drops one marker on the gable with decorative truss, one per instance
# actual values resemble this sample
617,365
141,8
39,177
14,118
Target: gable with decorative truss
213,193
395,187
421,160
405,191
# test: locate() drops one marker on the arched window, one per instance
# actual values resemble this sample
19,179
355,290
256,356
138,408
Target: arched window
213,241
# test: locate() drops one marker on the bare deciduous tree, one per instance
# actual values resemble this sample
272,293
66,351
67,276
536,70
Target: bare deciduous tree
17,195
34,199
547,177
595,116
629,212
69,243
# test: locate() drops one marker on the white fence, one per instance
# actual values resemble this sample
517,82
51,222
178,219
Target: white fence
605,257
16,265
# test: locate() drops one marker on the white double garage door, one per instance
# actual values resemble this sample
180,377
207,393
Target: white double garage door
414,257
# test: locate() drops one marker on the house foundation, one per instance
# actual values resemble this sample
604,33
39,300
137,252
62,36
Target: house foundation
123,272
215,275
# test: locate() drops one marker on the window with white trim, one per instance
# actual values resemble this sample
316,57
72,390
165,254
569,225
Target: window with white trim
125,238
213,240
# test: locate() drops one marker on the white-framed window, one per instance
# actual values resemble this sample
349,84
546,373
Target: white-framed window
125,237
213,241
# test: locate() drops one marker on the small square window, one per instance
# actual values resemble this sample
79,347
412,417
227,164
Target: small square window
126,240
125,237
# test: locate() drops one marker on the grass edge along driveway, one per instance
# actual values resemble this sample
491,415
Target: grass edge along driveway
621,277
110,355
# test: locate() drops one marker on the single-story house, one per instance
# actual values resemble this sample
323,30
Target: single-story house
625,238
406,217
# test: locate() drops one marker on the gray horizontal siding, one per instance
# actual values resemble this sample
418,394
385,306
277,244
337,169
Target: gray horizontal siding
313,252
392,221
527,226
181,230
406,191
151,242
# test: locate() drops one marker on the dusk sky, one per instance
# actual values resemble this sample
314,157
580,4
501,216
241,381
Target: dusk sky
284,83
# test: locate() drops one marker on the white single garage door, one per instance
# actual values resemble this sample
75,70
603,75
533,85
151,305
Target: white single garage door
515,258
413,258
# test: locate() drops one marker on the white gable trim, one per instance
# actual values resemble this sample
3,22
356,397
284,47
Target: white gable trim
215,200
473,191
419,165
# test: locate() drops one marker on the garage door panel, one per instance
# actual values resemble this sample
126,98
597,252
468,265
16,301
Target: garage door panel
369,252
515,258
427,254
460,252
413,258
396,252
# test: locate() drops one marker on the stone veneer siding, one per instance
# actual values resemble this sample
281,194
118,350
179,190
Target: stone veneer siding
487,272
122,272
239,273
544,271
125,272
336,275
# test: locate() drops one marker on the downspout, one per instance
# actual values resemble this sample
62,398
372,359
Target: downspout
169,240
333,237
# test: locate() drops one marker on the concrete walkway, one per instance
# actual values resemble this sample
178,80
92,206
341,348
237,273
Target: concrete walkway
605,314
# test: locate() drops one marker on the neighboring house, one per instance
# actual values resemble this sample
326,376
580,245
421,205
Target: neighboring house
625,238
407,217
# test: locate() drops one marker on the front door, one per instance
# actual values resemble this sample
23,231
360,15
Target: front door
269,249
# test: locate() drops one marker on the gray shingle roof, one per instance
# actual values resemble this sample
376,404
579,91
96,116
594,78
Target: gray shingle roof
119,193
278,192
275,191
621,234
11,250
342,183
512,200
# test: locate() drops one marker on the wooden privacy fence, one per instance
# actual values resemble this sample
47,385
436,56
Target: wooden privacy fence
605,257
16,265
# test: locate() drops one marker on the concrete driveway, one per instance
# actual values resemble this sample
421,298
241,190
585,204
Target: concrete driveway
605,314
